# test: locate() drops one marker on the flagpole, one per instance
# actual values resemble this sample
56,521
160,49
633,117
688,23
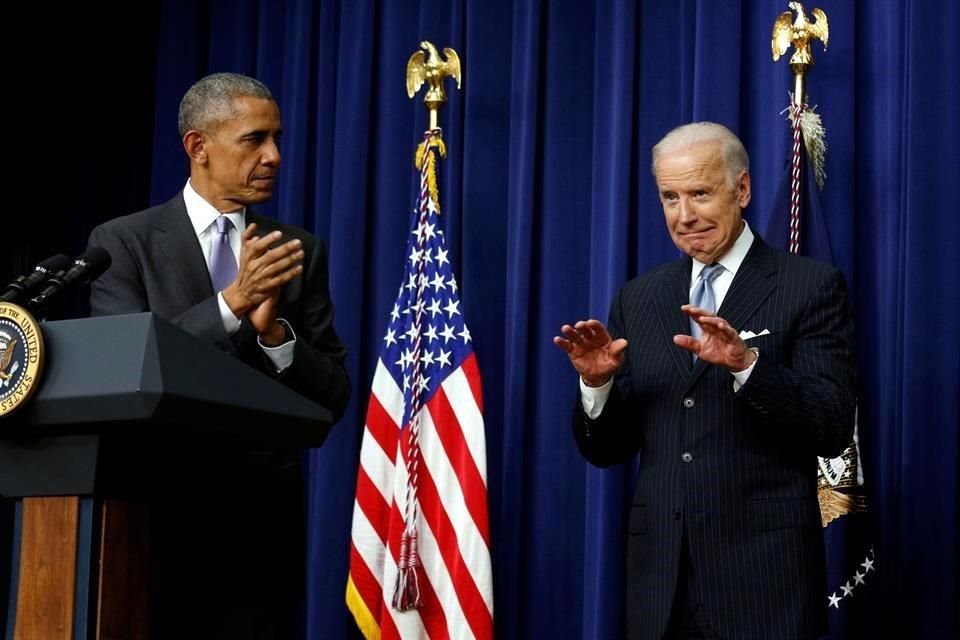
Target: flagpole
425,66
799,32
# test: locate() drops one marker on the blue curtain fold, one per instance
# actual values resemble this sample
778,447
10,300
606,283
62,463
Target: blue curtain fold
550,206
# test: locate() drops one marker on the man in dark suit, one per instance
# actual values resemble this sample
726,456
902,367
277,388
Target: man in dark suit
228,539
728,403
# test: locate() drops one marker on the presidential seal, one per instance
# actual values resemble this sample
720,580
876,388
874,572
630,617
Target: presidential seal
21,357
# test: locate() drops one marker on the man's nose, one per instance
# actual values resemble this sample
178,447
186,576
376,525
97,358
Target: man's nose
687,212
271,154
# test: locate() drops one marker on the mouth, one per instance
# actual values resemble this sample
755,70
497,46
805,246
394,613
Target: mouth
699,233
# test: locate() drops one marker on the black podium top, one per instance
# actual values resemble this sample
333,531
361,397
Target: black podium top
139,372
132,399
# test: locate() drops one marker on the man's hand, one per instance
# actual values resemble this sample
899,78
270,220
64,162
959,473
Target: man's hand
720,344
263,270
263,317
593,353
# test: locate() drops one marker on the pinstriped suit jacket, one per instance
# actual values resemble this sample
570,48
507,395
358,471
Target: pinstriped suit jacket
735,471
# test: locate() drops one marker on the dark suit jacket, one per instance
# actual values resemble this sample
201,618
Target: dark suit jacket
158,266
735,471
227,534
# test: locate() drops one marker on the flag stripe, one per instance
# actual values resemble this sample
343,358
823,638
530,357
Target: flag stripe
388,408
472,372
377,466
371,501
434,614
470,481
366,557
461,547
464,385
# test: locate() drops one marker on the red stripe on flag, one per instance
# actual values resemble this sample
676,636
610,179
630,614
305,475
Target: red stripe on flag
472,370
430,611
451,437
366,584
471,601
371,502
382,427
388,630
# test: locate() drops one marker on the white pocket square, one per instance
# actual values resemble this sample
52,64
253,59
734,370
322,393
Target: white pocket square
746,335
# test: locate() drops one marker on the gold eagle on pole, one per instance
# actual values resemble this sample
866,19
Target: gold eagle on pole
426,65
799,33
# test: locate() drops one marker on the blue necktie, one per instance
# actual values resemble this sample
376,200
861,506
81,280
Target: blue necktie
703,296
223,262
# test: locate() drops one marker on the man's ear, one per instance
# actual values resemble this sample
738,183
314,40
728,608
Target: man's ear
195,144
743,190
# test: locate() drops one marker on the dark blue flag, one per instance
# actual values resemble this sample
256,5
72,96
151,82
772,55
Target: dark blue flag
850,559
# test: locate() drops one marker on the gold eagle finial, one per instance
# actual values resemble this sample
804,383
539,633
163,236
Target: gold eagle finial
429,67
799,33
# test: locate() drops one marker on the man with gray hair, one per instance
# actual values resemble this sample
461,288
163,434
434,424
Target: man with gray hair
728,371
228,539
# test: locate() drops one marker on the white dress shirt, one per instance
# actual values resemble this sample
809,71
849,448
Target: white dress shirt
203,216
594,398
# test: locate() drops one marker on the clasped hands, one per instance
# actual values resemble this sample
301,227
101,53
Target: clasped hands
261,275
596,355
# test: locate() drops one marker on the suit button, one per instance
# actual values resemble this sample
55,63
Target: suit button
676,514
689,402
686,456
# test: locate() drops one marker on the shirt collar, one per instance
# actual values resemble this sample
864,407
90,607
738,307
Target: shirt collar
203,215
733,258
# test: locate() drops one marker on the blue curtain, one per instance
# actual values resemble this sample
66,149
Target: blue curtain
550,206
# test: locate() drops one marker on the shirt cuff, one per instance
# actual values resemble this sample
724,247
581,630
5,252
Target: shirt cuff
740,377
593,399
231,323
281,355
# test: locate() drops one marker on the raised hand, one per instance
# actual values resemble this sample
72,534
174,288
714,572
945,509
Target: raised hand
593,352
263,270
720,344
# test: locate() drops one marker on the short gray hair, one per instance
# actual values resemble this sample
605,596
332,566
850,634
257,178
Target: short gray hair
209,101
735,158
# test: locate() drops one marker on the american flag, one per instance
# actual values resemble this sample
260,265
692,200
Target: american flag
420,544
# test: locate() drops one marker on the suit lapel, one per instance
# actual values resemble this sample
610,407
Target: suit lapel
750,288
674,293
178,241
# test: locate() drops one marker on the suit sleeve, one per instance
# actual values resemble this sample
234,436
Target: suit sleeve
120,289
813,402
614,436
318,369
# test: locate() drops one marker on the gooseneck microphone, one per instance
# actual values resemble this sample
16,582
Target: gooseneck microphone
20,289
86,267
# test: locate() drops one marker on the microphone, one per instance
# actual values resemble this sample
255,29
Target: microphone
20,288
86,267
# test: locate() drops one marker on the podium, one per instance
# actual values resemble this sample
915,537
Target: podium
115,391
